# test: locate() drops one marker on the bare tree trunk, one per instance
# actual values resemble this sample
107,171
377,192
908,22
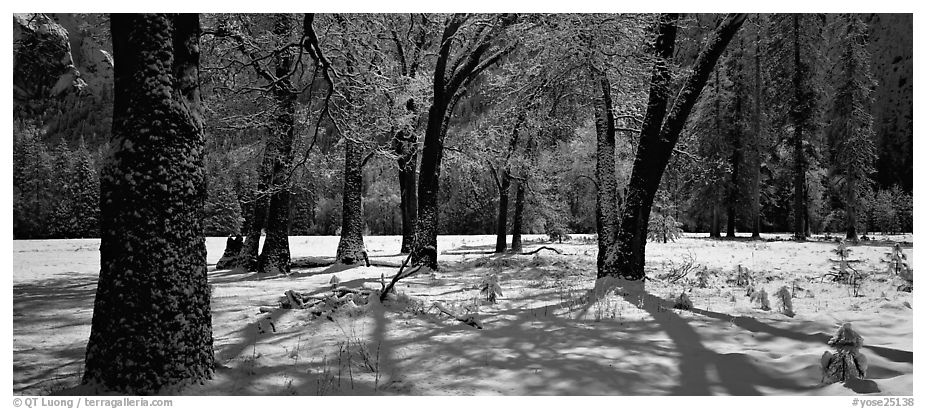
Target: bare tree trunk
736,157
429,184
408,183
501,231
757,128
518,217
351,249
799,117
715,221
851,203
658,139
152,323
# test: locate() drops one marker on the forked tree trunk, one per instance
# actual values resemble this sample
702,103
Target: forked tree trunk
350,248
250,250
657,140
275,256
517,223
152,323
448,87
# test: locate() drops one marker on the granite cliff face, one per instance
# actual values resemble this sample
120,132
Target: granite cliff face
891,48
43,66
58,54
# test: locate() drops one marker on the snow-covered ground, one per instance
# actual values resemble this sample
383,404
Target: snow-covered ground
541,338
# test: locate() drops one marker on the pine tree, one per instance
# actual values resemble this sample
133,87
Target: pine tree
852,150
63,223
793,55
222,210
32,186
85,193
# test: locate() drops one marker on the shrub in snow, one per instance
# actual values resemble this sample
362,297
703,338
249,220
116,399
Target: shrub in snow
784,301
845,362
334,281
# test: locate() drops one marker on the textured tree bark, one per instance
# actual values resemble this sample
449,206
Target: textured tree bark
501,225
606,198
518,222
351,249
798,116
274,257
428,185
152,323
657,139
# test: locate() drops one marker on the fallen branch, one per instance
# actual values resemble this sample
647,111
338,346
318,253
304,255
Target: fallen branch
541,248
468,320
398,276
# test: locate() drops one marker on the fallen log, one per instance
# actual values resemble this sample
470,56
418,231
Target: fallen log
295,300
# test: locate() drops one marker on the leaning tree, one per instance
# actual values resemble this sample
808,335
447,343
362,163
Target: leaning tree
152,324
468,46
662,124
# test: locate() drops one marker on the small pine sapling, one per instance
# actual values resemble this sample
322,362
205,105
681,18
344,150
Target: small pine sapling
784,301
842,270
663,228
846,362
743,277
898,266
703,277
490,289
682,302
761,299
